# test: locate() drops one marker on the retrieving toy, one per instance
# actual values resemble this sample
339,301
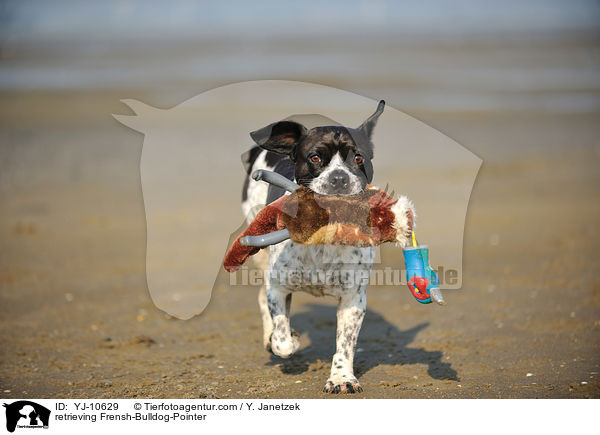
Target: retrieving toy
421,279
365,219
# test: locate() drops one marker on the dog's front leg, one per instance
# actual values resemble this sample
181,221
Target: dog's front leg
351,311
284,342
266,318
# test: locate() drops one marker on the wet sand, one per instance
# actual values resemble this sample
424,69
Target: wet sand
77,319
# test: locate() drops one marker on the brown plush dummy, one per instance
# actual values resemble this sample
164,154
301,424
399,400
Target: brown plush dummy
365,219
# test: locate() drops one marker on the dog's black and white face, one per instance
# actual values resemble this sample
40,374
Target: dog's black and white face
330,160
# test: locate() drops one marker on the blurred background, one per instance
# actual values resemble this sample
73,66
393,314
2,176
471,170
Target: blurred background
515,82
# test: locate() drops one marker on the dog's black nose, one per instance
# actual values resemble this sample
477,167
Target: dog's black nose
339,179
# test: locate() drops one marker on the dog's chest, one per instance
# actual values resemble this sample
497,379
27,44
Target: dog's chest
319,269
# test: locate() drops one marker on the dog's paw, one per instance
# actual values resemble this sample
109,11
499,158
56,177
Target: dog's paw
347,387
285,348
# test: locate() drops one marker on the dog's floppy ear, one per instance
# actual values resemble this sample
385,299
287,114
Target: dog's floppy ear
280,137
368,126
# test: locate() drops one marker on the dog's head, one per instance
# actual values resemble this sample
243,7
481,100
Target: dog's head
330,160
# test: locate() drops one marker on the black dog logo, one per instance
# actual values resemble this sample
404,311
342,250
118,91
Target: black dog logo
27,414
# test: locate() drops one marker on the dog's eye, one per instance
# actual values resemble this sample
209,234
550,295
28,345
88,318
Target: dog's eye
358,159
315,158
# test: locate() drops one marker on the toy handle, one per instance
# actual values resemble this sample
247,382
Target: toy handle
275,179
265,240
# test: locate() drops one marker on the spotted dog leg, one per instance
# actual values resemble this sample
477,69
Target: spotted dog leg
261,261
284,341
351,311
266,318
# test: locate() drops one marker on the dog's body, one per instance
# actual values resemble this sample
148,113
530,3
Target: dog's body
331,161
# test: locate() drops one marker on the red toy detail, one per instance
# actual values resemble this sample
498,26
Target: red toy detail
421,285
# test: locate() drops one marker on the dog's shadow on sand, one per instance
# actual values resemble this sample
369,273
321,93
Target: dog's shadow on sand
379,342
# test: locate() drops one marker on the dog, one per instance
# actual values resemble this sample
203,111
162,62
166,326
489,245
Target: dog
330,160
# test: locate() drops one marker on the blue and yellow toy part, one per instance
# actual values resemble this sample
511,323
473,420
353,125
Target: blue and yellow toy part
421,279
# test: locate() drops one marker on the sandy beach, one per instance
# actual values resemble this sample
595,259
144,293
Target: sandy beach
77,320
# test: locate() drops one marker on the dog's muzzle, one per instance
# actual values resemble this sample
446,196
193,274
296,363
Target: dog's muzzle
339,182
